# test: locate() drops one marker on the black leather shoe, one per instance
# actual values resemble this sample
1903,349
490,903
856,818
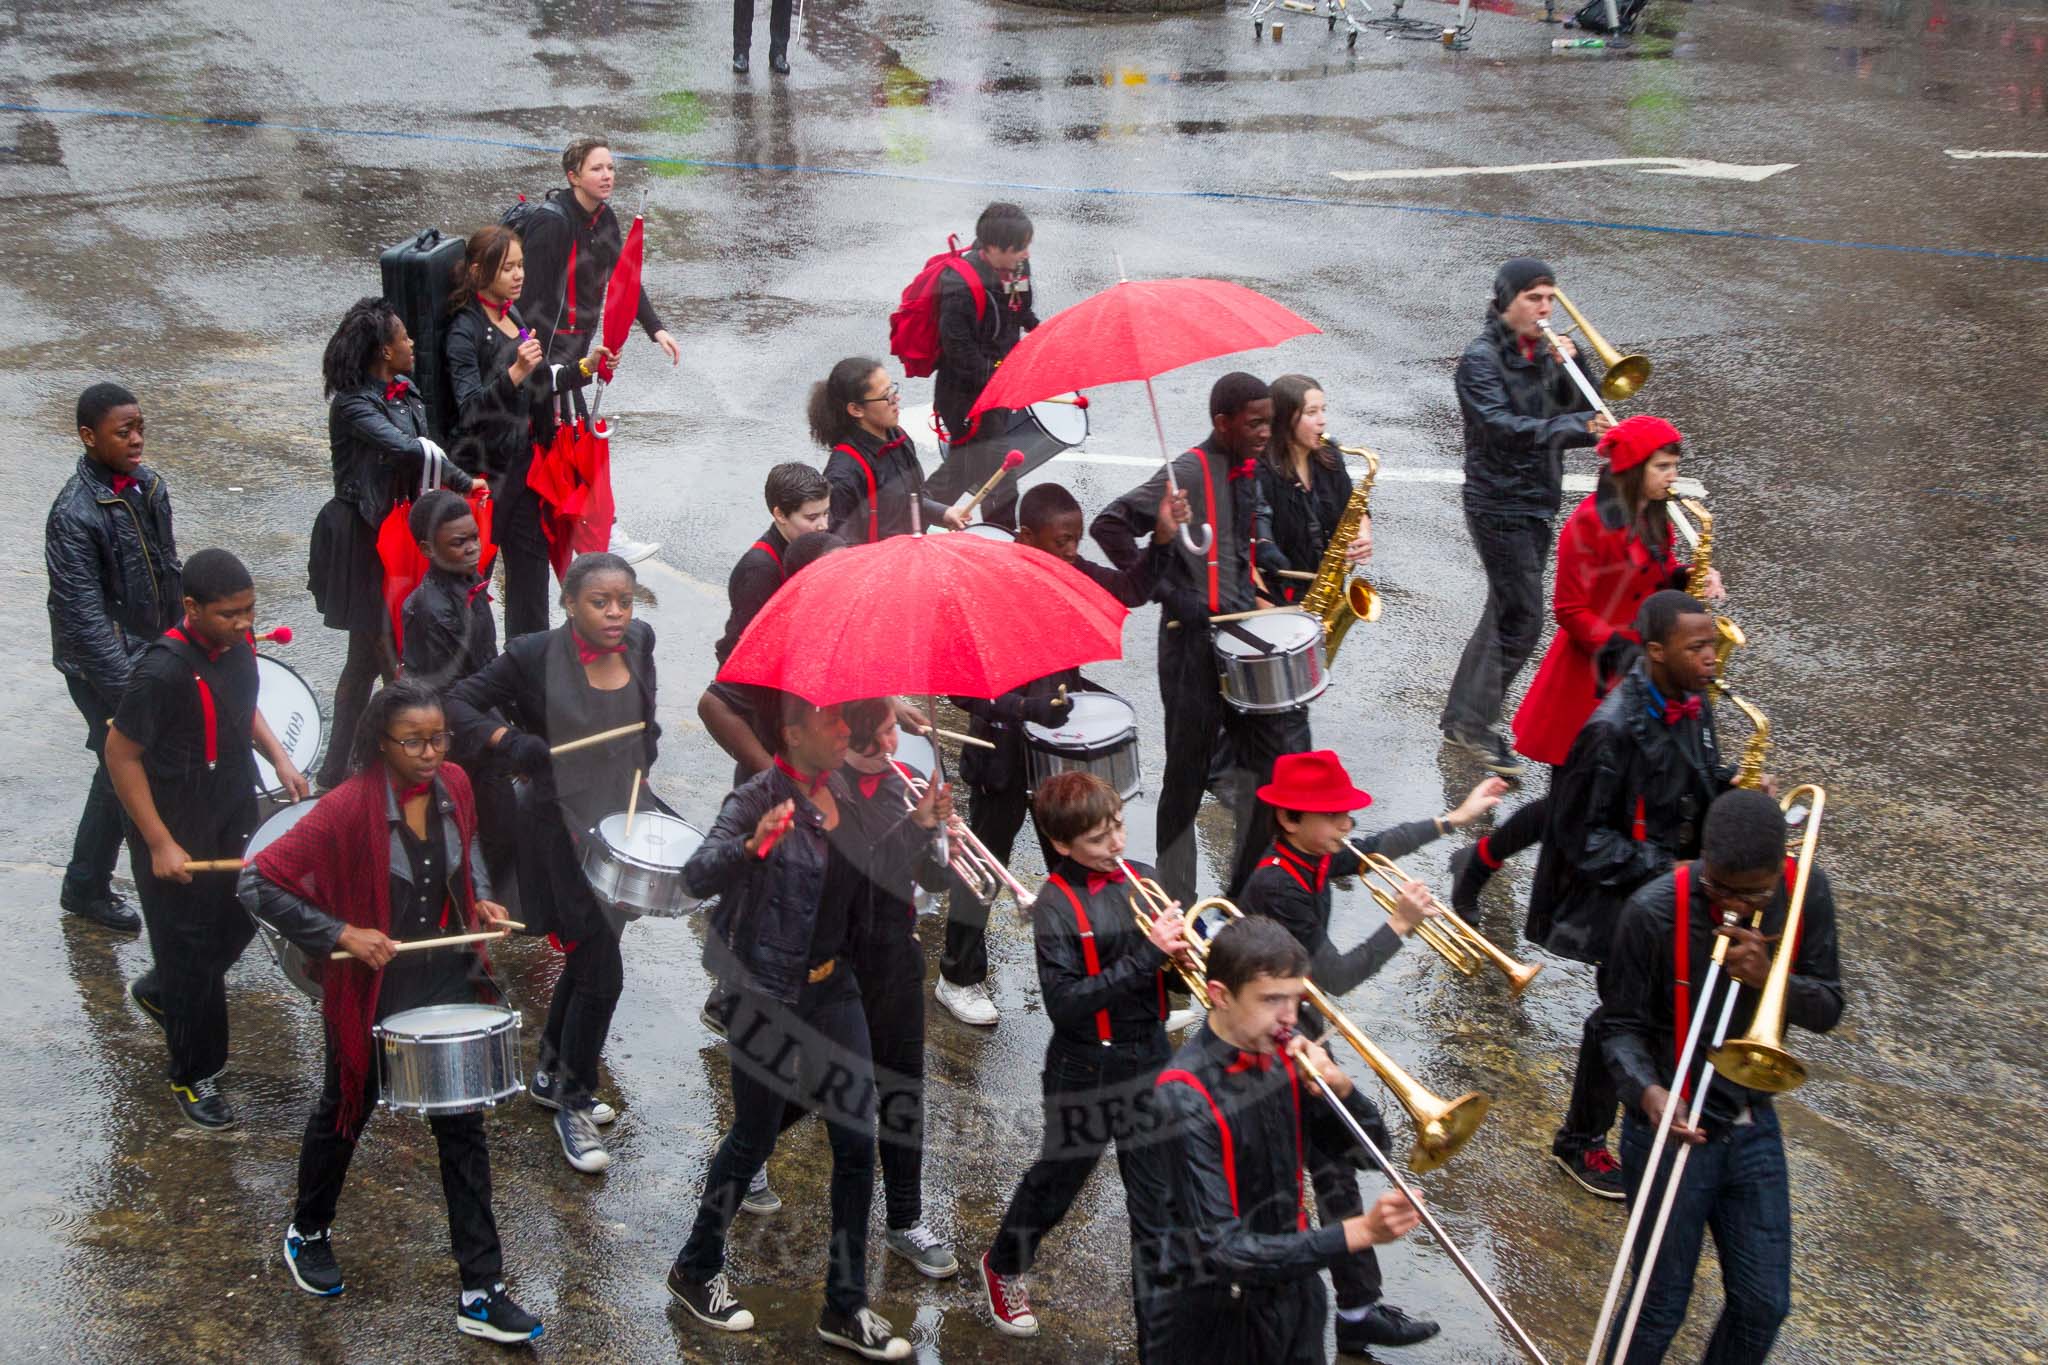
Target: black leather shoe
740,63
108,911
1382,1325
778,61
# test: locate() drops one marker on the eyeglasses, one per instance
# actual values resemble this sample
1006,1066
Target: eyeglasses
1717,892
418,747
888,395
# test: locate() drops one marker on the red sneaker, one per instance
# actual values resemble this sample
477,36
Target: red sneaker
1008,1304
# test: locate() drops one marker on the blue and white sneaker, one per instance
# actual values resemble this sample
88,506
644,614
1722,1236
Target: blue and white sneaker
310,1258
495,1317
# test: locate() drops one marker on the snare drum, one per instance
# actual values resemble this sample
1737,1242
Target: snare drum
1065,422
448,1059
1099,735
287,955
642,873
988,530
293,714
1271,663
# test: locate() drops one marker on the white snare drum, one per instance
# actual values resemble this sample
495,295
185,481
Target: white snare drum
286,954
448,1059
642,873
990,531
1065,422
293,713
1271,663
1099,735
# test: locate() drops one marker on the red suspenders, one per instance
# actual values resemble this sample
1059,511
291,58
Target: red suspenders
205,704
764,545
1089,956
1209,507
1222,1126
874,520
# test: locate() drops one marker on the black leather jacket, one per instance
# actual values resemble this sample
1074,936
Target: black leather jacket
1521,415
374,443
115,577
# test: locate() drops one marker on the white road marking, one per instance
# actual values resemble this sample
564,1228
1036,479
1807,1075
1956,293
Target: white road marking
1962,155
1647,165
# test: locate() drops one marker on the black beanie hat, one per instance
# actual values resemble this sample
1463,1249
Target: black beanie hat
1521,273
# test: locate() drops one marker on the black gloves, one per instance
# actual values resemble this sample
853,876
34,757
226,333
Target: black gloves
524,753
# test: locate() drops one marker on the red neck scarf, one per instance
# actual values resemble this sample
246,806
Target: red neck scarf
810,786
339,858
1098,880
870,783
186,632
397,389
1249,1061
587,653
406,794
483,587
493,306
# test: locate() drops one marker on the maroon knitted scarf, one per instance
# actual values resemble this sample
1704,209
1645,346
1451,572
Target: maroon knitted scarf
339,859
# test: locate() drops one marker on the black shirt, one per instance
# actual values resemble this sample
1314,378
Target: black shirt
1122,999
164,711
420,909
1304,518
898,477
752,582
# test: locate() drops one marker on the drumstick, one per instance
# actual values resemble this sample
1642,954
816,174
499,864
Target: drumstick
956,736
1230,616
1010,462
600,737
632,803
1303,574
452,940
214,865
1078,400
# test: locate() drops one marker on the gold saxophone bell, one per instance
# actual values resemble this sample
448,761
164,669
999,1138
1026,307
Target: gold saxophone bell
1758,1058
1336,598
1624,373
1454,939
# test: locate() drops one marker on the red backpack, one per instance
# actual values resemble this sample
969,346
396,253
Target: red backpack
914,326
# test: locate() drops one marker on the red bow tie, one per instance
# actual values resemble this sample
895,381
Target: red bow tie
1245,470
1098,880
587,653
485,589
493,306
406,794
396,389
811,785
1250,1061
1676,711
124,482
870,783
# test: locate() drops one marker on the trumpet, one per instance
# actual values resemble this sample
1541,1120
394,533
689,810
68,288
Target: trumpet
981,872
1149,901
1453,937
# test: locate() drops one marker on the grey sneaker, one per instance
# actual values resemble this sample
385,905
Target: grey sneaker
918,1246
760,1199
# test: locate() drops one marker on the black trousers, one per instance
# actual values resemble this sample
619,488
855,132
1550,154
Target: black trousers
891,976
994,817
1590,1112
1195,714
743,25
788,1061
196,932
465,1175
515,525
96,847
580,1014
1094,1096
369,659
1357,1276
1513,551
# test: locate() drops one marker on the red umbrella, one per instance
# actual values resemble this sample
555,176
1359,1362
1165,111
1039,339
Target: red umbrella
926,614
621,300
1135,330
573,477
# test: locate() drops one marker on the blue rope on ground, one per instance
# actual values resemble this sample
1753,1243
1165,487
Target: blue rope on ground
1221,196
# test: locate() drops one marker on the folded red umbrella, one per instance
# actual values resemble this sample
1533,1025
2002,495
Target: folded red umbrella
622,294
405,566
953,614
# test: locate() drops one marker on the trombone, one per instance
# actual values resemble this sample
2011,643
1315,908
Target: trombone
1758,1060
981,872
1624,373
1454,938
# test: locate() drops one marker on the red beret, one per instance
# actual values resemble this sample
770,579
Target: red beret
1633,440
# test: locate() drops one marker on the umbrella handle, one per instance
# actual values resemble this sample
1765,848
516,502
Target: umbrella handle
597,403
1187,538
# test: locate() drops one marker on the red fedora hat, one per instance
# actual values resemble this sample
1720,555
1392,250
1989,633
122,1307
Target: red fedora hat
1312,781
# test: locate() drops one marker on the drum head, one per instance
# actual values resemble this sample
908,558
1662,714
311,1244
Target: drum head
1094,720
271,830
437,1021
1285,633
656,841
293,713
287,955
1066,423
914,752
990,531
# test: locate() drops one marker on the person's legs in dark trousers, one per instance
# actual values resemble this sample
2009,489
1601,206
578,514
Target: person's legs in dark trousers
1076,1134
524,548
1512,550
1356,1277
196,932
1142,1159
1194,713
994,818
325,1153
96,847
1590,1112
369,658
779,12
1256,742
580,1015
466,1184
892,1001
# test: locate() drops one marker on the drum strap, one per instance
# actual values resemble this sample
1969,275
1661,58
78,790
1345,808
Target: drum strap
874,518
1260,647
1089,956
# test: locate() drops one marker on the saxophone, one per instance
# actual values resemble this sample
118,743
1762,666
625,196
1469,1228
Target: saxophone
1339,603
1728,636
1749,769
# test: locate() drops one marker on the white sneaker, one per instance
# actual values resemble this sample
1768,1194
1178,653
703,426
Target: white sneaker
629,549
1180,1021
968,1004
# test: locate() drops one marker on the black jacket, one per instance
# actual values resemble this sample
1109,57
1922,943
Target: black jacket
449,630
115,577
897,476
754,579
1127,991
1240,517
498,422
374,445
970,346
1303,518
1637,998
1628,803
1521,415
1289,886
1240,1277
894,856
567,315
1000,721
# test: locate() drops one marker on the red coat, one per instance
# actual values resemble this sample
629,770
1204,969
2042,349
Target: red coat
1603,574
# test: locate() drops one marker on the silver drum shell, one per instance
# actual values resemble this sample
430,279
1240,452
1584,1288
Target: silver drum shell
635,883
1289,674
1101,737
444,1059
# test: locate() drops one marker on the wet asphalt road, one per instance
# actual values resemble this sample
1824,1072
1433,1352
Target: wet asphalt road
1868,421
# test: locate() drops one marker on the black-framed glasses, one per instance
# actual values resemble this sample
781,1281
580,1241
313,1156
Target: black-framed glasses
418,746
888,395
1717,892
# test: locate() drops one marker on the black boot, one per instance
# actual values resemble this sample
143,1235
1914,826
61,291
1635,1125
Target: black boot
778,61
740,63
1469,876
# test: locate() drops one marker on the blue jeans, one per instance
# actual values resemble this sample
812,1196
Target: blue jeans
1735,1185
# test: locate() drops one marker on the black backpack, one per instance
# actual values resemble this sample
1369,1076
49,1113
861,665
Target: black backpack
520,212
